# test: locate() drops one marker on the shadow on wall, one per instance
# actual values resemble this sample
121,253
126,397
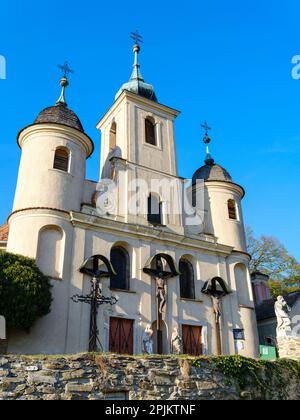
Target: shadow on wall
107,171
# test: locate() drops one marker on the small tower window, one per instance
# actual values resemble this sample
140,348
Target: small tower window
150,131
113,136
154,210
187,286
61,159
232,209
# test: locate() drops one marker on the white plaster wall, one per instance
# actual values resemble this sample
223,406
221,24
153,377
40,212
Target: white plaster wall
49,333
129,113
228,231
39,185
66,329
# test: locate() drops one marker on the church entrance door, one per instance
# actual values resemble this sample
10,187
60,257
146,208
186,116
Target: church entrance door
192,340
121,336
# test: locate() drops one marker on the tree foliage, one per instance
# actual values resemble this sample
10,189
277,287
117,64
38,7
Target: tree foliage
270,257
25,292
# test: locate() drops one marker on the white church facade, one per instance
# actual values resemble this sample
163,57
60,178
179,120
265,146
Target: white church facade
134,217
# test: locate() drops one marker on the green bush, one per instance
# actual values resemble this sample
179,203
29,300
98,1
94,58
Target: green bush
25,292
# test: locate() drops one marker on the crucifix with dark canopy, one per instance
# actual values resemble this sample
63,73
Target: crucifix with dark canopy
97,267
216,288
161,268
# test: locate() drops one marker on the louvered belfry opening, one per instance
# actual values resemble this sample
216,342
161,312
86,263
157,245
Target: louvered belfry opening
150,132
154,210
232,210
61,160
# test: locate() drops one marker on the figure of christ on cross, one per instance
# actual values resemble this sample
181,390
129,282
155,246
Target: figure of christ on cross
161,268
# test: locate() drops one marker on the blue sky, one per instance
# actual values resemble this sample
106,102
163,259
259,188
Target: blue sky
225,61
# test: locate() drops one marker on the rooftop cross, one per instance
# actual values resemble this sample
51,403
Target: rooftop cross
206,127
66,69
209,160
136,37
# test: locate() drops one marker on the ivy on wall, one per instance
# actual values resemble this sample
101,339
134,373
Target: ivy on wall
249,374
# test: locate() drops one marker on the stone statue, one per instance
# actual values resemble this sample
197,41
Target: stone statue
176,342
161,293
147,340
217,307
283,320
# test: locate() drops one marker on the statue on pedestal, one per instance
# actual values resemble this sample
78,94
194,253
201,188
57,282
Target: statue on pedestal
283,320
147,340
176,342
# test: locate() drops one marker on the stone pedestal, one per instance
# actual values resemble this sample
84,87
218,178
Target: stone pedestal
289,346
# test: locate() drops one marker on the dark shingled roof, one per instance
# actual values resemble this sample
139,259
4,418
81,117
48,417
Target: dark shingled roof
212,172
60,114
266,309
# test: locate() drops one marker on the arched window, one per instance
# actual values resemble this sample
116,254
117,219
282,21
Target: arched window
113,136
232,209
120,261
154,210
50,251
186,278
150,131
61,159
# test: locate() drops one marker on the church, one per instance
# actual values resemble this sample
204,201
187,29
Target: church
174,250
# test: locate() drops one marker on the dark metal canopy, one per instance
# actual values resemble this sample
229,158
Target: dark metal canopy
155,266
216,287
97,266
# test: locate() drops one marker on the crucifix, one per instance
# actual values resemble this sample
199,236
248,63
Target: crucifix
158,270
216,289
136,37
93,267
206,127
206,139
66,69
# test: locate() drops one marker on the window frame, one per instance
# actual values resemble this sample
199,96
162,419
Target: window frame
67,160
113,135
150,120
190,283
155,219
232,207
126,255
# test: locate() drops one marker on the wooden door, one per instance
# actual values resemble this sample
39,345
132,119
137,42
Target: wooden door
192,340
121,336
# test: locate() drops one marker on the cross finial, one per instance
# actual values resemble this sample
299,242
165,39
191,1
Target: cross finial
66,69
206,127
137,37
209,160
64,83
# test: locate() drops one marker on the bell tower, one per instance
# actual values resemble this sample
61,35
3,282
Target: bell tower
138,150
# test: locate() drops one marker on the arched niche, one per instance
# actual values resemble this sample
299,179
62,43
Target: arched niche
50,252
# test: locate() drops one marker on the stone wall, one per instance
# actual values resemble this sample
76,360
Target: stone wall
93,377
289,346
